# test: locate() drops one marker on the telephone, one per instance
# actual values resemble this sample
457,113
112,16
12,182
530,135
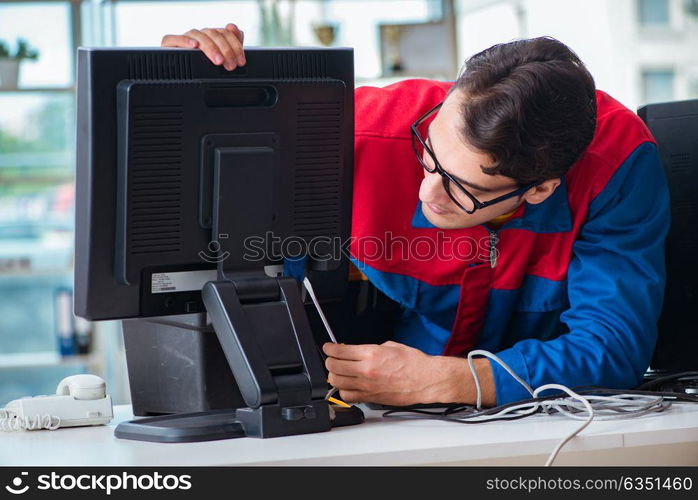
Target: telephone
79,400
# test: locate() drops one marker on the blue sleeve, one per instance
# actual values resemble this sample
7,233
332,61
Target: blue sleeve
615,287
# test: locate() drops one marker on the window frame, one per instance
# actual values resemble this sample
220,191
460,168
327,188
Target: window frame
645,70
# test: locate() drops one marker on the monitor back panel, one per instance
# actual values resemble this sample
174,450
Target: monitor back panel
153,126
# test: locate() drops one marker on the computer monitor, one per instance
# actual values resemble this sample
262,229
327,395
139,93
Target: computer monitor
205,195
153,126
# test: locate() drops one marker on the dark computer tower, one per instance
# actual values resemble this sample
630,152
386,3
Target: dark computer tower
674,125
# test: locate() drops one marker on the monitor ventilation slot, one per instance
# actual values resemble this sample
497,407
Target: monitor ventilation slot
293,65
164,66
155,179
318,172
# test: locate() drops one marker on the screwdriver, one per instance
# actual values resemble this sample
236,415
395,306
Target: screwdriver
309,287
311,292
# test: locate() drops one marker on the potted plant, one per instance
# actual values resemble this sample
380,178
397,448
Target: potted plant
9,64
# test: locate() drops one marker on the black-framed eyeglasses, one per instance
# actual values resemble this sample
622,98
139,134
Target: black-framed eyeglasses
460,195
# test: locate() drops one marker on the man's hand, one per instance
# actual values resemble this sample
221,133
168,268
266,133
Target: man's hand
396,374
221,45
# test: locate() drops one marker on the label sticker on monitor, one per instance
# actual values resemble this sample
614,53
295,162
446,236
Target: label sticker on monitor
182,281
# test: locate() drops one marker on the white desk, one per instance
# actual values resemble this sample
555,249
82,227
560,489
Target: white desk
664,439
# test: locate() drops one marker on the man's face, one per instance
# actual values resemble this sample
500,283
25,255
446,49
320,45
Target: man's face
463,163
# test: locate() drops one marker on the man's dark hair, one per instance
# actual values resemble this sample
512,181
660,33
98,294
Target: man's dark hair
530,105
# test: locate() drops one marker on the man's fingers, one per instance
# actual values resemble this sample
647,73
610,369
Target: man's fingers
229,56
346,383
343,367
236,31
235,43
220,45
349,352
207,46
350,396
178,41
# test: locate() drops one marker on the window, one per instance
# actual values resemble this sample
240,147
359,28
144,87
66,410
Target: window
144,23
653,12
37,137
47,28
36,175
693,85
657,85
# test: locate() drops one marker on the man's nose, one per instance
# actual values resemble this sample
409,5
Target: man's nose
432,188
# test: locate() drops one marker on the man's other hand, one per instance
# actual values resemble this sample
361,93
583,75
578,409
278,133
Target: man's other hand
221,45
396,374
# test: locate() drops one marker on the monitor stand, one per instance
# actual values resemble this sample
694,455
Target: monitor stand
261,325
209,425
266,337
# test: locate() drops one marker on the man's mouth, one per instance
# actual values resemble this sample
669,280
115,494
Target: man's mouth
438,210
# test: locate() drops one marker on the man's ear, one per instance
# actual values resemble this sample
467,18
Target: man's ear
541,192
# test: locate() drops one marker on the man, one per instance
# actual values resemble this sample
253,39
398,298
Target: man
543,209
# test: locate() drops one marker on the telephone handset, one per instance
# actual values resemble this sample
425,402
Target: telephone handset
79,400
82,387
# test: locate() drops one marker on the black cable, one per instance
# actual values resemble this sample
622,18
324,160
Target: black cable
394,414
454,409
416,411
680,396
450,410
666,378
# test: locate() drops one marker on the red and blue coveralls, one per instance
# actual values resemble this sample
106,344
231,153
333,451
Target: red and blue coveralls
576,288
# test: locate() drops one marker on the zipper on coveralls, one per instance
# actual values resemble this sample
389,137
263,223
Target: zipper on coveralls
492,247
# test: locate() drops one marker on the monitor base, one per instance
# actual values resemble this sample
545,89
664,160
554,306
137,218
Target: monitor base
228,424
183,428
